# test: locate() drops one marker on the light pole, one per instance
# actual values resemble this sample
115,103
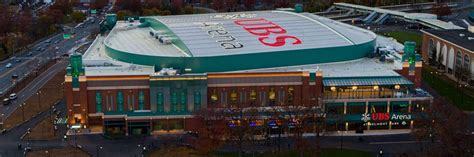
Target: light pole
39,99
3,120
23,110
98,148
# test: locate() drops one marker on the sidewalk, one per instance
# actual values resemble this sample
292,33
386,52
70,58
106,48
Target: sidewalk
369,132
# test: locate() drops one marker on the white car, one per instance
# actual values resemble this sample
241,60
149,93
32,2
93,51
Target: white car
9,65
13,96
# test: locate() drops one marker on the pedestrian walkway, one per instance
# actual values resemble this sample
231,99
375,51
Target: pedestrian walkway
369,132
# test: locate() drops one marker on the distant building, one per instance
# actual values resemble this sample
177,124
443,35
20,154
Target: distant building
450,51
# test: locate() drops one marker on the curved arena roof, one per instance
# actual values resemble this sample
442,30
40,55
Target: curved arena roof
237,41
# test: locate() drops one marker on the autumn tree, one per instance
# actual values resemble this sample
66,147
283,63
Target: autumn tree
441,9
212,132
445,129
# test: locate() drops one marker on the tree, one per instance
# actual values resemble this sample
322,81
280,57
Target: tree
78,16
188,9
249,4
212,131
121,14
445,129
441,9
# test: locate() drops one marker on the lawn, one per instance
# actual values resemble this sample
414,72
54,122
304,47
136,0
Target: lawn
404,36
69,151
43,131
325,152
51,93
448,90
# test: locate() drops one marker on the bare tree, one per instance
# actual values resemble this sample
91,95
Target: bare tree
445,131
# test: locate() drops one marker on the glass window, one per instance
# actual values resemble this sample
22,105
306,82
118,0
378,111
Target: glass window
174,102
466,62
98,102
377,107
356,108
399,107
141,100
233,96
120,101
224,99
335,109
107,103
197,100
183,101
130,106
159,102
458,59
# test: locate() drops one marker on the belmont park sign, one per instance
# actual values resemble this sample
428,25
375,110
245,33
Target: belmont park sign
385,117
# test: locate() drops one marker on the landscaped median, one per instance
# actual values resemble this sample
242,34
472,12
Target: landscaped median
325,152
40,101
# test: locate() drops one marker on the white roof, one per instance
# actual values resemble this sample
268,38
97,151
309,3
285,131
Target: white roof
366,67
97,63
199,34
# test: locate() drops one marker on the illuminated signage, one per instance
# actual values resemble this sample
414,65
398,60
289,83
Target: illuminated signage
385,117
263,29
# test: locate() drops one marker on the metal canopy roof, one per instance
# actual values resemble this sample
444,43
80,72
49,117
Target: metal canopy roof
365,81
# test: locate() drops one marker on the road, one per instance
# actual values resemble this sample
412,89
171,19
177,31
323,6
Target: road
27,61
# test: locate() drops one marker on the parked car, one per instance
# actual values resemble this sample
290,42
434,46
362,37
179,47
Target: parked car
48,41
13,96
18,60
6,101
30,54
9,65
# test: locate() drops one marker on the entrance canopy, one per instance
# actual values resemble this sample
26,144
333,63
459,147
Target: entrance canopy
366,81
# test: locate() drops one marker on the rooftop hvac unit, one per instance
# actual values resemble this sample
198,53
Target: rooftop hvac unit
167,40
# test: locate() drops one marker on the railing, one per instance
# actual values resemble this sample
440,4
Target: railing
375,94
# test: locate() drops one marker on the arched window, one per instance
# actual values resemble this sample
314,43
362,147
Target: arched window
458,60
431,49
467,61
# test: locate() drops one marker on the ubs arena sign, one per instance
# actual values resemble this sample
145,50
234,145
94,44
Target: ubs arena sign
366,117
264,31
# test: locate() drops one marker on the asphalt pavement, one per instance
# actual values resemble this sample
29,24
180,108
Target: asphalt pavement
24,63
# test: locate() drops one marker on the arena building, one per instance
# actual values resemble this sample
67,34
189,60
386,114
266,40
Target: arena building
151,74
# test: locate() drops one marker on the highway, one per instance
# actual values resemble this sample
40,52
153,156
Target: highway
27,61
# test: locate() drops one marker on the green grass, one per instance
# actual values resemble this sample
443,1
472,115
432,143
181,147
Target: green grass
325,152
404,36
449,91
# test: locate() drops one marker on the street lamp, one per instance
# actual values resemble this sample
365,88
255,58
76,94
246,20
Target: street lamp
98,148
23,110
39,99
